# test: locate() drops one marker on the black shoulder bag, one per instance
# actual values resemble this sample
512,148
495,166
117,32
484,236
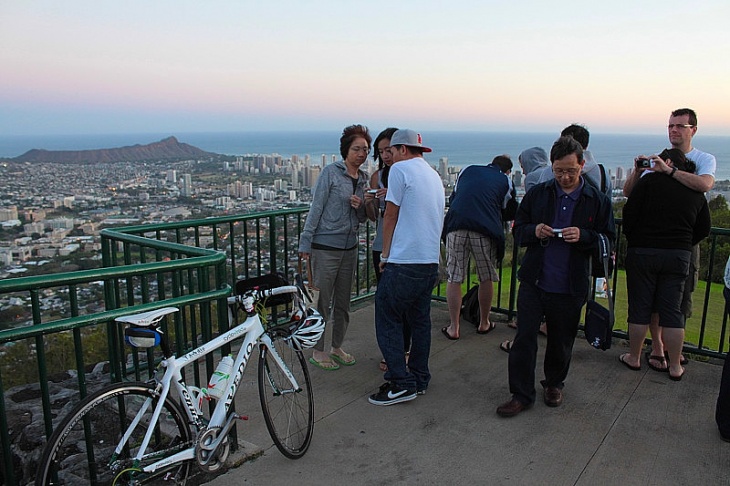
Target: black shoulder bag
598,319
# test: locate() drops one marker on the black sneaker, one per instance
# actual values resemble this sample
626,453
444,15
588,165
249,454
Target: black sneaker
390,394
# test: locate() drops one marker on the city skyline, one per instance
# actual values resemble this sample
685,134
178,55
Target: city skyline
83,67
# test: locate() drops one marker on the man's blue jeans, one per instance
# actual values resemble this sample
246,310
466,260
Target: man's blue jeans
404,298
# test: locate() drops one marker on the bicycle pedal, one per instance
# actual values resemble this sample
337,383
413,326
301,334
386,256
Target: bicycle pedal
242,417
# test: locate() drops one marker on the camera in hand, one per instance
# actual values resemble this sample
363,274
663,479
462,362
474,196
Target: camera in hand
558,232
643,163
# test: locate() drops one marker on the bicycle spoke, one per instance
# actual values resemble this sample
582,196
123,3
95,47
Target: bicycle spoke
288,411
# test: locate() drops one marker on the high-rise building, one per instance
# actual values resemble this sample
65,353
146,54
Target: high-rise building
443,167
187,185
172,176
9,213
311,176
295,176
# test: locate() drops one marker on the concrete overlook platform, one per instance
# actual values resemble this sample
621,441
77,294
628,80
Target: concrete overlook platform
616,426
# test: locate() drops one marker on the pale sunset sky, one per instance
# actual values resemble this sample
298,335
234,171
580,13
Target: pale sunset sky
133,66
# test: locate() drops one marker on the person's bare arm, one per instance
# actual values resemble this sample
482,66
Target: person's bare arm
389,221
699,183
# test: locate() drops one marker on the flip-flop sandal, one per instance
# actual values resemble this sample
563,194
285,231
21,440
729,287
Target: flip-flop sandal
626,364
445,331
491,327
347,360
506,346
661,369
325,365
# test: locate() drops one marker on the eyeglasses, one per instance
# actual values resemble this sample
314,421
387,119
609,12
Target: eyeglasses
360,149
564,172
679,125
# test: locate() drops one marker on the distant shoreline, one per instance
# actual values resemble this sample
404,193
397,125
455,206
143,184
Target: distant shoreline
459,147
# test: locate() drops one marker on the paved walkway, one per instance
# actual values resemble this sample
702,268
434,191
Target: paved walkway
616,426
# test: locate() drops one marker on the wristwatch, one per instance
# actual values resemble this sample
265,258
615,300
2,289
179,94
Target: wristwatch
671,174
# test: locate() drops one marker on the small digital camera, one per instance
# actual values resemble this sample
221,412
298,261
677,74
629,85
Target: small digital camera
643,163
372,191
558,232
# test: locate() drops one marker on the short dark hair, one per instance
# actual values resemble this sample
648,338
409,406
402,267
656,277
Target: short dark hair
349,134
565,146
411,149
679,160
578,132
503,162
687,111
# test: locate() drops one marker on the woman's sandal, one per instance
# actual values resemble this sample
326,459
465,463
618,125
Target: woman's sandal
506,346
326,365
346,360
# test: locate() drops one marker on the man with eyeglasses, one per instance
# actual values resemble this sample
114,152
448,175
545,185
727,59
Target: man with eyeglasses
682,127
412,223
558,222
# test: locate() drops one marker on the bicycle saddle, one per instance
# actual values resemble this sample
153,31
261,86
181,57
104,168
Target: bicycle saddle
144,319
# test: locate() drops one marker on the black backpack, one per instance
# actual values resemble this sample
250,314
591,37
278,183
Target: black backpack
470,306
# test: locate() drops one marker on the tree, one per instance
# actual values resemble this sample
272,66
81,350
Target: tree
719,203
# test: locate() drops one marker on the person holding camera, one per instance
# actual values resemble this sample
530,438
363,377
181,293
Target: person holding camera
682,127
330,238
663,219
559,222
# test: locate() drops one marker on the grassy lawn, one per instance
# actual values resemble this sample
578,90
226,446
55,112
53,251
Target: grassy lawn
713,322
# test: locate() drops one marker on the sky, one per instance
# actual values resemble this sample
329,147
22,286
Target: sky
139,66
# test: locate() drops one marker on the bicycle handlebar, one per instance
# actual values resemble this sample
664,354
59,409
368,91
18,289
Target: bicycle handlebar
265,293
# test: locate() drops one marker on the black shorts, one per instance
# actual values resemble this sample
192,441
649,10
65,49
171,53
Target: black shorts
655,280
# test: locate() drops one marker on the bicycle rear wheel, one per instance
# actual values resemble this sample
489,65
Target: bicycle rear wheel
81,449
289,412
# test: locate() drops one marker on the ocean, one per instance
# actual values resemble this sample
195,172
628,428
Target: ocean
461,148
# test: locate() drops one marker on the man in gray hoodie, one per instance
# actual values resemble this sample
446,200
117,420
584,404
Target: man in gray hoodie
534,162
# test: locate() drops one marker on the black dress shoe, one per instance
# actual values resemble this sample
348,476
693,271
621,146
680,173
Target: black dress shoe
511,408
553,396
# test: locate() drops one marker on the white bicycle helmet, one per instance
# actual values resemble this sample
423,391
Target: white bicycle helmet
308,332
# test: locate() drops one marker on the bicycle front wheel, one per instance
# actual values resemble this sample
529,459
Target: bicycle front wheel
82,448
288,411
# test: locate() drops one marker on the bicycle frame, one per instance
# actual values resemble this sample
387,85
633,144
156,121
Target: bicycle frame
253,333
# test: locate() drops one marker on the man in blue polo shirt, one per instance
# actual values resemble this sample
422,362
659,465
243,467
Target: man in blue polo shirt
558,222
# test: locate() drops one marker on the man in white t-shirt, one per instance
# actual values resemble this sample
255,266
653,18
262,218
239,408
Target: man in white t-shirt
682,127
412,224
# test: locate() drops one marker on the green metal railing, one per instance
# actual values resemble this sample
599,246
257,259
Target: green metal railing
193,265
81,332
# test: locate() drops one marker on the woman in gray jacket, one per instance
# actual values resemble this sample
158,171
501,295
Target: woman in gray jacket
330,238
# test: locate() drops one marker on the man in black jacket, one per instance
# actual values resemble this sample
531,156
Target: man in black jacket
558,221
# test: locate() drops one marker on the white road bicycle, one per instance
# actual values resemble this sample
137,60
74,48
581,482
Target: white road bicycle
152,432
